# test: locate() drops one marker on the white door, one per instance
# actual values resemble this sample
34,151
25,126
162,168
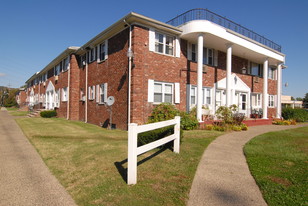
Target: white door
243,103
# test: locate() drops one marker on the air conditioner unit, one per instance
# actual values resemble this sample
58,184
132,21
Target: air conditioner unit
56,78
256,79
205,68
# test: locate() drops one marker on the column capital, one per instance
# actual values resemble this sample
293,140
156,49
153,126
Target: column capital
228,45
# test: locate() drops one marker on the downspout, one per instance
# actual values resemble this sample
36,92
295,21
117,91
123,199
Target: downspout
68,92
86,91
130,55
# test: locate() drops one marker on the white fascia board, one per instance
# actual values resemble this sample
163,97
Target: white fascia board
204,26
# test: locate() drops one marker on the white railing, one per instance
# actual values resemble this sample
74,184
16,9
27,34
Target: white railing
134,150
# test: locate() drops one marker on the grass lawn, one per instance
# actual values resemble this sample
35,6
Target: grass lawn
15,112
90,163
278,162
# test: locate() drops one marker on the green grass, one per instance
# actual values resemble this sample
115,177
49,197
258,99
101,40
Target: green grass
278,162
15,111
89,161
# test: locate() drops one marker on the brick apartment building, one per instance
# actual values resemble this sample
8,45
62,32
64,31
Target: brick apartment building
142,62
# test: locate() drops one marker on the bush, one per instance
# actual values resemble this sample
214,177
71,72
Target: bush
244,127
209,127
226,113
297,114
163,112
188,121
238,118
48,114
236,128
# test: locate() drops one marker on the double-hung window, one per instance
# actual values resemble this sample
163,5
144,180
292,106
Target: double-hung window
102,93
102,51
164,43
271,100
66,63
206,96
255,69
57,69
193,94
64,94
271,73
163,92
208,56
91,92
92,54
256,100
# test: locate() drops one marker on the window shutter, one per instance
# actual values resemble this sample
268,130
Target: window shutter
93,92
188,89
177,47
106,49
97,93
150,90
188,51
98,53
177,98
151,39
105,92
89,92
215,58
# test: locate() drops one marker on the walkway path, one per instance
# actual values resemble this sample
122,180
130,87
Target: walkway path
24,177
223,177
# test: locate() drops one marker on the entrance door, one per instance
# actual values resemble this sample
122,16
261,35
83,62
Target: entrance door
243,103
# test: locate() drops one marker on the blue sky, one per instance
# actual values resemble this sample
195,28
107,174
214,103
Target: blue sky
34,32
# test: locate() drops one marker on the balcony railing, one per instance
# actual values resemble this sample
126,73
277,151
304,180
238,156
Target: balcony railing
204,14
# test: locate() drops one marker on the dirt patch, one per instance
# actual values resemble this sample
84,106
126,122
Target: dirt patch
281,181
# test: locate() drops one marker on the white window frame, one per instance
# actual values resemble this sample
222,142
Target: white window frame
205,92
57,69
92,54
102,97
271,73
64,94
164,43
57,98
102,51
256,100
66,64
271,101
91,92
208,54
163,93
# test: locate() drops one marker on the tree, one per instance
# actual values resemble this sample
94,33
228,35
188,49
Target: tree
292,98
9,100
299,99
305,99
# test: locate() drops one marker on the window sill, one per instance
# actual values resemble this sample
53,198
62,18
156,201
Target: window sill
101,61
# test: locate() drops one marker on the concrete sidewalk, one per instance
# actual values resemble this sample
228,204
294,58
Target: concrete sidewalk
24,177
223,176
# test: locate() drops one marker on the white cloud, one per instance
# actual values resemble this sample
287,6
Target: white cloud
2,74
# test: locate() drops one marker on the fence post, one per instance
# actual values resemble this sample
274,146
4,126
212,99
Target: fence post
132,154
176,142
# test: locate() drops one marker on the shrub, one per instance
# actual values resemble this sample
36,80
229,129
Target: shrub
163,112
48,114
188,121
238,118
226,113
244,127
297,114
209,127
236,128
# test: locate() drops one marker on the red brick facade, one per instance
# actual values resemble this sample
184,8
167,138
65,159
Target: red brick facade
146,65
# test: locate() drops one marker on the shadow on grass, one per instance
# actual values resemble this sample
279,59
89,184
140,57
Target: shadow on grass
123,171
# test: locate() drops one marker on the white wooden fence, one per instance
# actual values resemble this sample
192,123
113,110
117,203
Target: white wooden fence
134,150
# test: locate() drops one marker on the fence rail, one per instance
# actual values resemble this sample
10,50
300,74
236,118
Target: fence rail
134,150
204,14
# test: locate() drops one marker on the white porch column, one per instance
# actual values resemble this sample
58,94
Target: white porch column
229,68
265,95
199,79
279,87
